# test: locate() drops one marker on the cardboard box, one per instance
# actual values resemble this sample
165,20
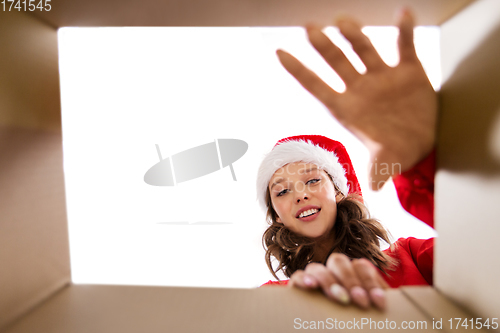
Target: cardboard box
36,293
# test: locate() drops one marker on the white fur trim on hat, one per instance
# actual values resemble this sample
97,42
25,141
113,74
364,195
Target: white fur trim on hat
299,151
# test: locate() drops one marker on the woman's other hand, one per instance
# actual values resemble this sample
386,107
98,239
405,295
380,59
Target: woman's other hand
344,280
392,110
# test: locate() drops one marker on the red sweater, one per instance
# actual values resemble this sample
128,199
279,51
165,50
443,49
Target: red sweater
415,189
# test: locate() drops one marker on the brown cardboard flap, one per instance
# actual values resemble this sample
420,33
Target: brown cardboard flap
29,79
467,255
93,308
34,250
440,309
240,13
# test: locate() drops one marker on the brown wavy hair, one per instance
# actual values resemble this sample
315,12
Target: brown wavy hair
357,235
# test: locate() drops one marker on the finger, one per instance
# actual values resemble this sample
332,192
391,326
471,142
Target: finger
381,167
368,274
405,40
308,79
302,280
383,284
377,296
343,269
328,283
371,280
332,55
377,179
361,44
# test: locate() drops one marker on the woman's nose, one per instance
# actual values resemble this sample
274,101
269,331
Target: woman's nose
301,195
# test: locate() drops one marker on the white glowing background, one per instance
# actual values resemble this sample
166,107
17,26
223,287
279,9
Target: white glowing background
126,89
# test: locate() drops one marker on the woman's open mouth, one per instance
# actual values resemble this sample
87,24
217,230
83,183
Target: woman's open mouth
309,215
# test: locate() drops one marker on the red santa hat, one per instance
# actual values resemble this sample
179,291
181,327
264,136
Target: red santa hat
329,155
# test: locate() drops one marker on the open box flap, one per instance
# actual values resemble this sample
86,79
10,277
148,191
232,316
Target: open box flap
94,308
240,13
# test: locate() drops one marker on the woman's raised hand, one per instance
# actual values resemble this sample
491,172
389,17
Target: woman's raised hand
344,280
392,110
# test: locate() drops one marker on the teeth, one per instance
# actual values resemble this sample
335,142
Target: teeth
308,212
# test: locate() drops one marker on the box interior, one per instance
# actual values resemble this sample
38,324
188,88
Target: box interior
35,254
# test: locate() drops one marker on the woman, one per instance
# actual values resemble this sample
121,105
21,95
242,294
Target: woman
318,224
393,111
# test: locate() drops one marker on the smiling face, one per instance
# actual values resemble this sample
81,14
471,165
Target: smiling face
304,199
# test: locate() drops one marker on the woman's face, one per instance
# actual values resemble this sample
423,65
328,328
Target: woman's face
304,199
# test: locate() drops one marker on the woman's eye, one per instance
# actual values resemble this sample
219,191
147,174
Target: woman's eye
313,181
282,193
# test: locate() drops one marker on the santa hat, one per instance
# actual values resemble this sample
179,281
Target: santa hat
329,155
